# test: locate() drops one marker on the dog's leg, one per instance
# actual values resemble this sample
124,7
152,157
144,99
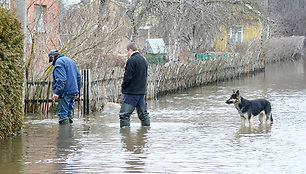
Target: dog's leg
242,121
269,118
261,117
251,121
268,113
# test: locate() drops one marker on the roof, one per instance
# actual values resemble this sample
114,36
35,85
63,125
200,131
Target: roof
155,46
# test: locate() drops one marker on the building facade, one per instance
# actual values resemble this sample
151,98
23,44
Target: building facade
42,20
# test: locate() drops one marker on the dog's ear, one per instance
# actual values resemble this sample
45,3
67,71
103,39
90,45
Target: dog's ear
237,92
234,91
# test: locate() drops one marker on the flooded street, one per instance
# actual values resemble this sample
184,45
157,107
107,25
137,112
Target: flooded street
193,131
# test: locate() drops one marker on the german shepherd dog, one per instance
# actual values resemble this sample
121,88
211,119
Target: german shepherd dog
247,109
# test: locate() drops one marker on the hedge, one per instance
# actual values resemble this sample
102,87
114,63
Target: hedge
11,74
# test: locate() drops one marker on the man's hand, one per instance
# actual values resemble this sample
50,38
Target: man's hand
55,97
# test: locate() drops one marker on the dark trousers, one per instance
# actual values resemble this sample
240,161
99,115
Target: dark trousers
128,106
65,106
134,100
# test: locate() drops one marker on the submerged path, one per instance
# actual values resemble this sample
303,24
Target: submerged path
191,132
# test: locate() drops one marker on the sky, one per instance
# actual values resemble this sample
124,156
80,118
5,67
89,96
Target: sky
71,2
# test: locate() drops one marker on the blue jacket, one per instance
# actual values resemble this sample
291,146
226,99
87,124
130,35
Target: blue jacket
66,76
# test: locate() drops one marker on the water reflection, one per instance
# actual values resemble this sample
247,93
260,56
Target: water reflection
65,144
11,155
135,144
262,128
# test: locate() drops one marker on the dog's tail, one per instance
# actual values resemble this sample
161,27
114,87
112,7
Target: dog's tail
268,112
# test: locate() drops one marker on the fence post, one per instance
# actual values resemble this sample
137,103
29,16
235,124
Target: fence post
86,79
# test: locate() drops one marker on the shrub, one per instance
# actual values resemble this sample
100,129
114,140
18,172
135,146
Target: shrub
11,74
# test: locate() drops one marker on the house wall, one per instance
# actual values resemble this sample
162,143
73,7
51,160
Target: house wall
51,17
44,40
250,32
220,42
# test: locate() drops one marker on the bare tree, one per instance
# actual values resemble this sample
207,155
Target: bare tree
97,29
289,17
40,36
91,32
189,26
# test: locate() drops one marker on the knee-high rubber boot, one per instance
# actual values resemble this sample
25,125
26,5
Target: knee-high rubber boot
143,115
125,113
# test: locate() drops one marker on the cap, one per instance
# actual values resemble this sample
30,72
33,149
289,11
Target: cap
53,52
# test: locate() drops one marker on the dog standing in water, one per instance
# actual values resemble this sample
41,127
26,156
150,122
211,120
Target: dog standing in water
247,109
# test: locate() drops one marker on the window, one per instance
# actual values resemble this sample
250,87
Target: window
39,18
236,34
5,4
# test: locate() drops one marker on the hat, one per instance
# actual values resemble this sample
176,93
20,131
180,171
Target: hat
53,52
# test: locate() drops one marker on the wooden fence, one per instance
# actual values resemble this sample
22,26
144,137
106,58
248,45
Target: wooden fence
38,96
104,85
174,76
161,80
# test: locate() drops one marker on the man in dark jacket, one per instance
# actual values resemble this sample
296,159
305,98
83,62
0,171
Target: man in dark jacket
66,85
134,88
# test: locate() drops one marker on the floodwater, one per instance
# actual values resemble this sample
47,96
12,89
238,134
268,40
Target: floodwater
193,131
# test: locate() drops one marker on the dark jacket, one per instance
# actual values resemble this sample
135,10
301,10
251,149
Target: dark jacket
135,75
66,76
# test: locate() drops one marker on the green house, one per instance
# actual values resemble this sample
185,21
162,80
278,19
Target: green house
155,51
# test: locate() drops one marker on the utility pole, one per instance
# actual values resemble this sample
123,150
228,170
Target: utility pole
21,11
268,18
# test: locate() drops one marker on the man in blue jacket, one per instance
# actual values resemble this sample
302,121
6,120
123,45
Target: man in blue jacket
134,88
66,85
